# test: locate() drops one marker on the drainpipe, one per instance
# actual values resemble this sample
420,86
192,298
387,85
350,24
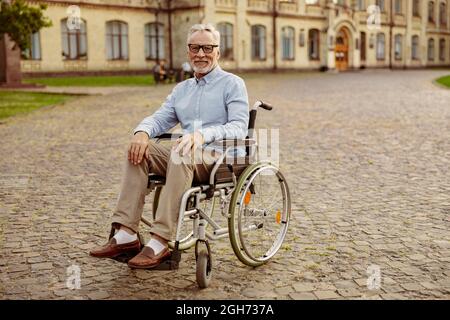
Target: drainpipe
391,26
169,5
274,26
157,31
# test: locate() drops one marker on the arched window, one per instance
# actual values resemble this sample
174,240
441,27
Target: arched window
442,14
398,44
258,42
154,41
415,48
313,44
287,40
34,52
380,3
360,5
116,40
442,49
226,39
431,50
431,11
380,46
74,40
416,8
398,6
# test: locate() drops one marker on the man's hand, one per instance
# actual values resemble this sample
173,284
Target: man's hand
138,147
189,142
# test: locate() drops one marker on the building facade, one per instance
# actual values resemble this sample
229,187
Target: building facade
131,35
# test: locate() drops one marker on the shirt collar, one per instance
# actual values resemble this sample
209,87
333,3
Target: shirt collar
210,76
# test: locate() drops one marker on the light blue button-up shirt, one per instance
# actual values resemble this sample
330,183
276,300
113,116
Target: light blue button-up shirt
216,105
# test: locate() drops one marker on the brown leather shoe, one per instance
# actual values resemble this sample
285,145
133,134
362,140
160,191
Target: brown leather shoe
112,249
147,259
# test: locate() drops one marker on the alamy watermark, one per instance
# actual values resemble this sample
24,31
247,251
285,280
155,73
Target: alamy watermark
73,281
73,18
374,279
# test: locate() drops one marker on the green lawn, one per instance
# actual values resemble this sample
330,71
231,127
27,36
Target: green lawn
12,103
444,81
99,81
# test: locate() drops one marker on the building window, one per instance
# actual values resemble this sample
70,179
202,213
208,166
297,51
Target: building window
398,6
360,5
258,42
416,8
74,41
442,49
380,4
226,40
287,40
34,52
154,41
313,44
415,48
431,50
398,47
363,46
442,14
431,11
116,40
380,46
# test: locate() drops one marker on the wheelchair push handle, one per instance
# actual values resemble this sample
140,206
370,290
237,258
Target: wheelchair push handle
265,105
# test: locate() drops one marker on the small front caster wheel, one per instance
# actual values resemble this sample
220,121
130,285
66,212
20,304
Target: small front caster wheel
204,267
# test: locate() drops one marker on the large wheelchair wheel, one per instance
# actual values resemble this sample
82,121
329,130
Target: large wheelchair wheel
187,239
259,213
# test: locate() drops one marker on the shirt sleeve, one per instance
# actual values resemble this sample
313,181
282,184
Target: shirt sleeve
236,101
164,119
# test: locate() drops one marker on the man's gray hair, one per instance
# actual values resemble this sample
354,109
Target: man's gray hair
205,27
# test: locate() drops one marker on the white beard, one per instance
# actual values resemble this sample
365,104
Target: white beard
203,70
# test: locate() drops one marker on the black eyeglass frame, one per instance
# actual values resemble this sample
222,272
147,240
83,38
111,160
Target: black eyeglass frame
202,47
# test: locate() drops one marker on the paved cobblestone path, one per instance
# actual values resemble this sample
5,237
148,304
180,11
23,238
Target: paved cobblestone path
366,155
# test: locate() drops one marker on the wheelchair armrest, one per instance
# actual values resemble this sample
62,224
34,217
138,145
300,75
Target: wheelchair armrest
169,136
230,143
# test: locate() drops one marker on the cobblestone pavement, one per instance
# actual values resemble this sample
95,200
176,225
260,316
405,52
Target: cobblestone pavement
366,155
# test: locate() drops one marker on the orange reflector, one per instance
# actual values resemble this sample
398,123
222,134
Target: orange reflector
247,198
278,216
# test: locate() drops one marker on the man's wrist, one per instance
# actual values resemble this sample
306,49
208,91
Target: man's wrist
143,132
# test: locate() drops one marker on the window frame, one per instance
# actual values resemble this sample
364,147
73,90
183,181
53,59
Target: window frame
28,54
415,48
314,43
288,41
431,18
120,37
382,36
398,39
256,42
431,56
151,39
226,40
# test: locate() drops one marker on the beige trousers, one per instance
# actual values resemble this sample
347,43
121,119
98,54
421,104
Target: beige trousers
179,173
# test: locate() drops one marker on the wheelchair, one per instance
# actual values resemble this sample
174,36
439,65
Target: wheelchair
254,199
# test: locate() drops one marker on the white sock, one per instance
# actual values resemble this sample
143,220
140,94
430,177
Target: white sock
156,246
124,237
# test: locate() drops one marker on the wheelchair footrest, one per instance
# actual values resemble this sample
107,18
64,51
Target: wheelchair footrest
172,263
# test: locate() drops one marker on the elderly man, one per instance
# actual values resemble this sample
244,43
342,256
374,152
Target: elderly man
213,98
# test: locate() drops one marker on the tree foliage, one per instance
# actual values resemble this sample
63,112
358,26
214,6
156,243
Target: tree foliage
20,21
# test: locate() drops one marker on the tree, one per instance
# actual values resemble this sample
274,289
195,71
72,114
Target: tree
18,21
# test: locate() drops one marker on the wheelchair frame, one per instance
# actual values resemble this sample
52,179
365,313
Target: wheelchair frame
225,191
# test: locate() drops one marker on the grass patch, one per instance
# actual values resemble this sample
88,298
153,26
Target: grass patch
444,81
12,103
98,81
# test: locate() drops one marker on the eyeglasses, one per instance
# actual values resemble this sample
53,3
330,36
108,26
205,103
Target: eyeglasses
207,48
